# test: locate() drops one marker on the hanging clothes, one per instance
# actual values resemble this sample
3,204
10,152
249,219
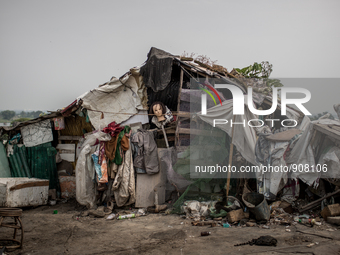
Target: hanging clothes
147,157
110,148
135,150
123,186
118,155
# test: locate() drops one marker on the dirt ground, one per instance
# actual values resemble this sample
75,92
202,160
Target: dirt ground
67,233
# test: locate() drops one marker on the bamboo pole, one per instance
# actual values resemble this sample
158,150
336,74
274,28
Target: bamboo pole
231,150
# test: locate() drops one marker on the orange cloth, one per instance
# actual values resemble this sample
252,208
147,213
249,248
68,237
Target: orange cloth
125,143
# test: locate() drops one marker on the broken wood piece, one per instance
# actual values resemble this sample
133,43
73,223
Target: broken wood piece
204,223
159,208
330,210
317,202
29,184
333,220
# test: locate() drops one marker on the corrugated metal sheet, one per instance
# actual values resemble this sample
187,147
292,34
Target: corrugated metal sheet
18,162
38,161
41,160
4,164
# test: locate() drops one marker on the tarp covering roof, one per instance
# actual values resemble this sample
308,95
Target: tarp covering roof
116,100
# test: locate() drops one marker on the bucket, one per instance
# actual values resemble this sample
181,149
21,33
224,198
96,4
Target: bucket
257,204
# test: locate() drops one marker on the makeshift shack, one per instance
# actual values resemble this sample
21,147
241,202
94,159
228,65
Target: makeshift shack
109,146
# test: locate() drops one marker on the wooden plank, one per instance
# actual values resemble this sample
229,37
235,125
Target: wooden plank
182,114
69,138
199,147
29,184
328,131
333,220
68,147
177,141
68,157
167,130
185,161
317,202
197,132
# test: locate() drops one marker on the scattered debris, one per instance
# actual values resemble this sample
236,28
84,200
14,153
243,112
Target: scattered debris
262,241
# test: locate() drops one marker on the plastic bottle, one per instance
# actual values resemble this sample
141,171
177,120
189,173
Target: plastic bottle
127,216
314,222
205,233
111,216
226,225
304,220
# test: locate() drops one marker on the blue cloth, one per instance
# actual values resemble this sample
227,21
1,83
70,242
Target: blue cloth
97,167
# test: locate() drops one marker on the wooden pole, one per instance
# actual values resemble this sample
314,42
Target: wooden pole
178,106
165,137
231,150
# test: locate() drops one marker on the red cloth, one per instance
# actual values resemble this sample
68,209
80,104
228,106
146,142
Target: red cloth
113,129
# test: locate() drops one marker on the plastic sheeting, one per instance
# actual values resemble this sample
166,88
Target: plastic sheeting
37,133
332,159
4,165
85,173
244,138
126,95
273,182
157,70
271,153
303,154
167,159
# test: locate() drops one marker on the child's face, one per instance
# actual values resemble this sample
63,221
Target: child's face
157,110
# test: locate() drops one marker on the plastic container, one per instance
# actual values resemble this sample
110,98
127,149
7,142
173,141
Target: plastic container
52,202
257,204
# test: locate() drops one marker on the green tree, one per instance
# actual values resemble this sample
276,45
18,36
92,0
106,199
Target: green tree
7,115
23,114
36,114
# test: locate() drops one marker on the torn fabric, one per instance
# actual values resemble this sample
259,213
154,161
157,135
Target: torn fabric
116,100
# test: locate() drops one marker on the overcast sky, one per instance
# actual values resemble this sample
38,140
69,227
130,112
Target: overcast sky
53,51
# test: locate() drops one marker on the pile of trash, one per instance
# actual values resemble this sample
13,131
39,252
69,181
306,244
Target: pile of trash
253,211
